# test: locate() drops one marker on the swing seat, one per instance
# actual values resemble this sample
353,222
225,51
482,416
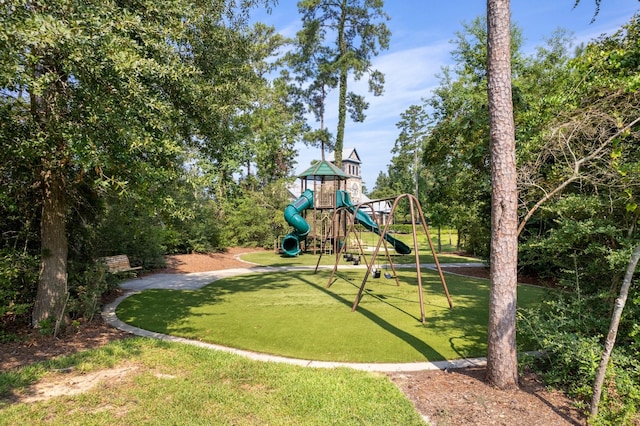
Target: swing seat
376,273
356,260
387,275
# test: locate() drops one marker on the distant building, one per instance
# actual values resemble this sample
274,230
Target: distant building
352,166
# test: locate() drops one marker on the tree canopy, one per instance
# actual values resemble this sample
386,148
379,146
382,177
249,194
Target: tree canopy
110,97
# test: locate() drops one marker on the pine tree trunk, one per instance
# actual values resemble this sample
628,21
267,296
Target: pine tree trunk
52,284
342,119
502,363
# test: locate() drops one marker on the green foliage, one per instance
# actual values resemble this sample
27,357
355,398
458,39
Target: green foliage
189,218
271,120
621,400
256,218
86,289
612,59
556,328
578,242
105,99
405,173
129,228
569,331
633,304
383,188
19,218
199,232
455,154
18,281
578,162
46,327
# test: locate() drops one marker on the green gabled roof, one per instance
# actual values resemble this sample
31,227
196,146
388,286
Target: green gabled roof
324,168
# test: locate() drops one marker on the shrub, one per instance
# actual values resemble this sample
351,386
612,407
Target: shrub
196,232
569,331
18,283
621,391
131,230
87,285
574,238
256,218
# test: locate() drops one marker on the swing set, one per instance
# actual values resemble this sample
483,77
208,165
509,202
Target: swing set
348,217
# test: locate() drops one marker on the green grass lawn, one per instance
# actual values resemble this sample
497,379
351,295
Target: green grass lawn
293,314
269,258
370,240
447,246
170,384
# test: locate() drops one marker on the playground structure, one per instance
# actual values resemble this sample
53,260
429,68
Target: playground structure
291,242
323,219
322,189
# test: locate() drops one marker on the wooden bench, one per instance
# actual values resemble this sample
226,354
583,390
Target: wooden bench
119,263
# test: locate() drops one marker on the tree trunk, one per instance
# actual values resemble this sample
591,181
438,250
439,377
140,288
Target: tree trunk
322,122
502,363
342,118
52,284
621,300
342,87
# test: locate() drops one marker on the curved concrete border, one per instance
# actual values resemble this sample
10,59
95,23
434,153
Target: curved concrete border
199,279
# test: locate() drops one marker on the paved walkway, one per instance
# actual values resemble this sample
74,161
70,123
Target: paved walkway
197,280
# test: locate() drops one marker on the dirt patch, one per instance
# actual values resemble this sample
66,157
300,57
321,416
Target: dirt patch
34,347
186,263
68,383
462,397
455,397
484,272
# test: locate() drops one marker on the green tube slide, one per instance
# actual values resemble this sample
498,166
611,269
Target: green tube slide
291,242
343,200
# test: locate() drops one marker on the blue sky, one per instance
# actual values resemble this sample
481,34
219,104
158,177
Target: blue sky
422,31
